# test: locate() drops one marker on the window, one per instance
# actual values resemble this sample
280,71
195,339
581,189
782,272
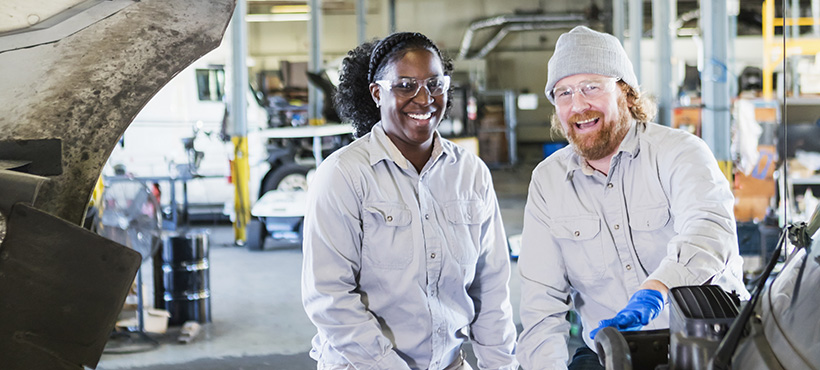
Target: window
210,84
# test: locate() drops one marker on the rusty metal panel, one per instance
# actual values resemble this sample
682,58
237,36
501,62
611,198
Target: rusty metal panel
61,289
86,88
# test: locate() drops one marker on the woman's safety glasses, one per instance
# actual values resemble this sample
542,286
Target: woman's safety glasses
589,89
408,88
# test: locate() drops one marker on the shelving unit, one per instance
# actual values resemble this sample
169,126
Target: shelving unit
773,49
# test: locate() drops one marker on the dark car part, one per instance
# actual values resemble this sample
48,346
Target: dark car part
17,187
699,318
42,156
613,350
62,288
645,349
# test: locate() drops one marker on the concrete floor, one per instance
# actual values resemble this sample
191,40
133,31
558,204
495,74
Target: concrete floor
257,317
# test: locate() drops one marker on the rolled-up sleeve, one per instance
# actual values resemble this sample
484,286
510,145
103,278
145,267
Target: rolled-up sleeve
493,330
545,291
331,263
701,204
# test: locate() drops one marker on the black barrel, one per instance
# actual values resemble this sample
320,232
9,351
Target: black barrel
186,279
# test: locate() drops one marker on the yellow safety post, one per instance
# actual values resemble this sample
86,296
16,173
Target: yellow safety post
96,195
240,171
726,168
94,202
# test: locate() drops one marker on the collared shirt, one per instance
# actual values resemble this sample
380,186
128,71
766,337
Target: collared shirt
664,212
401,267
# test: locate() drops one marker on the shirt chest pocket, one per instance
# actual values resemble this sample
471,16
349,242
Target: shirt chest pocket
581,247
651,232
464,219
387,240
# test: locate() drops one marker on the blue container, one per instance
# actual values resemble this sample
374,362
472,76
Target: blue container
550,148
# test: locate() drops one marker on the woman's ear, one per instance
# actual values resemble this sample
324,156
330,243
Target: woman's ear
375,93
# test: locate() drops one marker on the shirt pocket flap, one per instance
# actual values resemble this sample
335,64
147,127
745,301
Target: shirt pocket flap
464,212
393,214
649,219
576,228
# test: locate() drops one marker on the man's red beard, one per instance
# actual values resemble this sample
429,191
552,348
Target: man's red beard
605,140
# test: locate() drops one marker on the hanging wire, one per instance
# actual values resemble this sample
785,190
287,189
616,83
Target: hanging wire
786,188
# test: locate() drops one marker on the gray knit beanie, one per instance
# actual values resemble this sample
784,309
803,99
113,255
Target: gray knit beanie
583,50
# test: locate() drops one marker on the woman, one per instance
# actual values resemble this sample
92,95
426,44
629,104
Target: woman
405,256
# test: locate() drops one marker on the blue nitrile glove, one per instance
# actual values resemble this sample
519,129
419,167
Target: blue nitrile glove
644,306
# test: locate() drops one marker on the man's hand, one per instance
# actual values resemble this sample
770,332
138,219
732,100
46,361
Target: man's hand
644,306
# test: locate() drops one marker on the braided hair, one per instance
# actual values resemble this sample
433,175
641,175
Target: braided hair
367,63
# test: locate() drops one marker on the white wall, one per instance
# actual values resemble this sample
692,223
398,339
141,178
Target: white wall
519,61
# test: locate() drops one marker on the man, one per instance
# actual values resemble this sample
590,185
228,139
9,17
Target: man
628,210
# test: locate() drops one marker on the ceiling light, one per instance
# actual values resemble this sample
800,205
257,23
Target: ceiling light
290,9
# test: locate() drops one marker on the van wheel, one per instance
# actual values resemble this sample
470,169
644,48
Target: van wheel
289,176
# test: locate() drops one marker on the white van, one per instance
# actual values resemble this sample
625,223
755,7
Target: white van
180,135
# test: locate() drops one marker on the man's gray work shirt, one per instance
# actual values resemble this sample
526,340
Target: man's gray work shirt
664,212
400,267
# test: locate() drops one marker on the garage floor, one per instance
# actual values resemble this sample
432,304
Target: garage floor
257,317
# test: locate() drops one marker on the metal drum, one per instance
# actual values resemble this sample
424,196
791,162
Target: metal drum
186,282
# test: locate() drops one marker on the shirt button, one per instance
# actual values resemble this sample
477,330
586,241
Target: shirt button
432,255
389,218
629,267
577,233
609,185
427,216
617,227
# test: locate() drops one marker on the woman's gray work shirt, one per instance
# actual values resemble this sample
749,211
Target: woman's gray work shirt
401,267
664,212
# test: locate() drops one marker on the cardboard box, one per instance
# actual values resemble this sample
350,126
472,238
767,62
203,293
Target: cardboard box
766,114
492,147
470,143
493,118
751,208
687,119
156,320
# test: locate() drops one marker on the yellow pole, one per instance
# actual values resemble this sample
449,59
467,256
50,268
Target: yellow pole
726,168
240,171
769,52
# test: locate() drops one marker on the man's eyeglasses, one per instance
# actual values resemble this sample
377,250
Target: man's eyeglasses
407,87
588,89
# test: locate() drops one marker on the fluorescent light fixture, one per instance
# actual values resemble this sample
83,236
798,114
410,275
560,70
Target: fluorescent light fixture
528,101
290,9
296,17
